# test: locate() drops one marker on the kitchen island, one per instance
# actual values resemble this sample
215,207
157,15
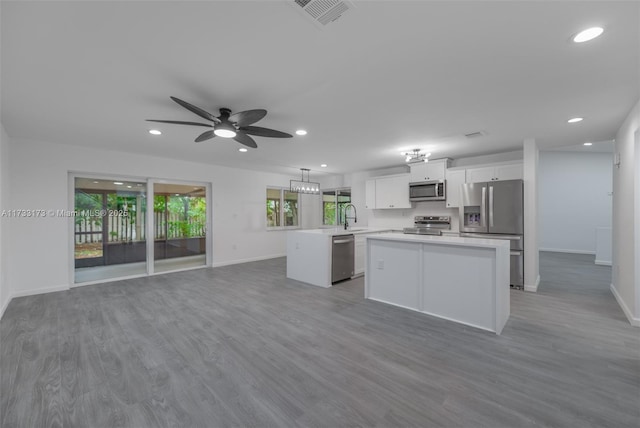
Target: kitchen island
460,279
309,252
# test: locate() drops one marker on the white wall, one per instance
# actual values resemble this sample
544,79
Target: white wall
4,232
626,218
39,258
575,199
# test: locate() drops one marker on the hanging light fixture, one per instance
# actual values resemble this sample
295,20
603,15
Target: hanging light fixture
302,186
416,156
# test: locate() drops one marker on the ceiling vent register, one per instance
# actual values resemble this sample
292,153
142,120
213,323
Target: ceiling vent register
475,134
323,12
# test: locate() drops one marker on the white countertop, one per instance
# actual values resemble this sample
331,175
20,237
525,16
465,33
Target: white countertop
446,240
336,231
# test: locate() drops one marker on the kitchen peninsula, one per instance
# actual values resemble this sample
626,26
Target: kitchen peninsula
460,279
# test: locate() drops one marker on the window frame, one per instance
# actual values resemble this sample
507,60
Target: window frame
281,218
338,220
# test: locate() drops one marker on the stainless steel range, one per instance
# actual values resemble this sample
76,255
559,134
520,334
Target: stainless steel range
429,225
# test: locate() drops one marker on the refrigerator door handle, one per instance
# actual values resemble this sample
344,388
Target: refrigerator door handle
483,207
490,206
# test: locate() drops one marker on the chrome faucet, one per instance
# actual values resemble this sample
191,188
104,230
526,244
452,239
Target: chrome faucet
346,218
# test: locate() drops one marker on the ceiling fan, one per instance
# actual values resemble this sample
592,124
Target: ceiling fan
227,125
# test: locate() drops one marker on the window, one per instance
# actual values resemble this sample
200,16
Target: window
283,208
333,203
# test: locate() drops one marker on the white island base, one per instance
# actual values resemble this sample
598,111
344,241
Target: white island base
465,280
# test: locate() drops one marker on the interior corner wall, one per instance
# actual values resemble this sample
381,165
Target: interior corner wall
5,295
626,212
531,209
40,258
575,199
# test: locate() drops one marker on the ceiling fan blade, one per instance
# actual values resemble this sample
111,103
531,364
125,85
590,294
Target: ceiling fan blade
243,138
179,122
196,110
248,117
206,135
264,132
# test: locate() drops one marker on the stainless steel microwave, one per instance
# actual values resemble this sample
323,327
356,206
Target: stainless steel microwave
427,191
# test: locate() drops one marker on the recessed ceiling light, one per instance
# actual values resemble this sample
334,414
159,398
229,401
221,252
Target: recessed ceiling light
95,182
588,144
324,165
118,183
129,187
588,34
301,132
242,149
575,119
154,132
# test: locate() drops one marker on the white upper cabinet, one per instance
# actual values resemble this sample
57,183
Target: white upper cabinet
510,172
390,192
429,171
495,173
454,180
370,194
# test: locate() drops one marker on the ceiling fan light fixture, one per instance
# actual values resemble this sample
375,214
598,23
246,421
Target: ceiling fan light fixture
225,130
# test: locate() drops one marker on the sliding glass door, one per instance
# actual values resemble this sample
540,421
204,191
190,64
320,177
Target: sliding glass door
179,225
119,232
109,228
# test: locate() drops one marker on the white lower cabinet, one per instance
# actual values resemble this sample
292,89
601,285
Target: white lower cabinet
360,249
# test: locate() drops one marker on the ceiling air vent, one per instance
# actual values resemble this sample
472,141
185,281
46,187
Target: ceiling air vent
475,134
322,12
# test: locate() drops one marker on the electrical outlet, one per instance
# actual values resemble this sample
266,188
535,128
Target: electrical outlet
380,264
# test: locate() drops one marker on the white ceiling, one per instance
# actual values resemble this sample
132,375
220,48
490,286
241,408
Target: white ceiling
387,76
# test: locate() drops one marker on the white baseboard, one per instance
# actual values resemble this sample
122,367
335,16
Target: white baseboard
252,259
31,293
603,262
42,290
632,320
564,250
533,288
4,307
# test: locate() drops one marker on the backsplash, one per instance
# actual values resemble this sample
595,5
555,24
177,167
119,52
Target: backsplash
398,219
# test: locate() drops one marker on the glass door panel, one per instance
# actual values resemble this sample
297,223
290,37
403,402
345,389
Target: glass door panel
179,225
109,228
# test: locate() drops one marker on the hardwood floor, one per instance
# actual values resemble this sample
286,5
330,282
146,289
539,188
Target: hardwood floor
243,346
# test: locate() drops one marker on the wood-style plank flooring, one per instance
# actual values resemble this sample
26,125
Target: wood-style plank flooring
243,346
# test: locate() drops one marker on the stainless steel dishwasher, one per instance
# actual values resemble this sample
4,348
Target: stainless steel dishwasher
342,252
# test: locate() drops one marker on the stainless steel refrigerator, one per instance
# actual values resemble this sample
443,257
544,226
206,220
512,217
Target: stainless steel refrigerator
495,210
